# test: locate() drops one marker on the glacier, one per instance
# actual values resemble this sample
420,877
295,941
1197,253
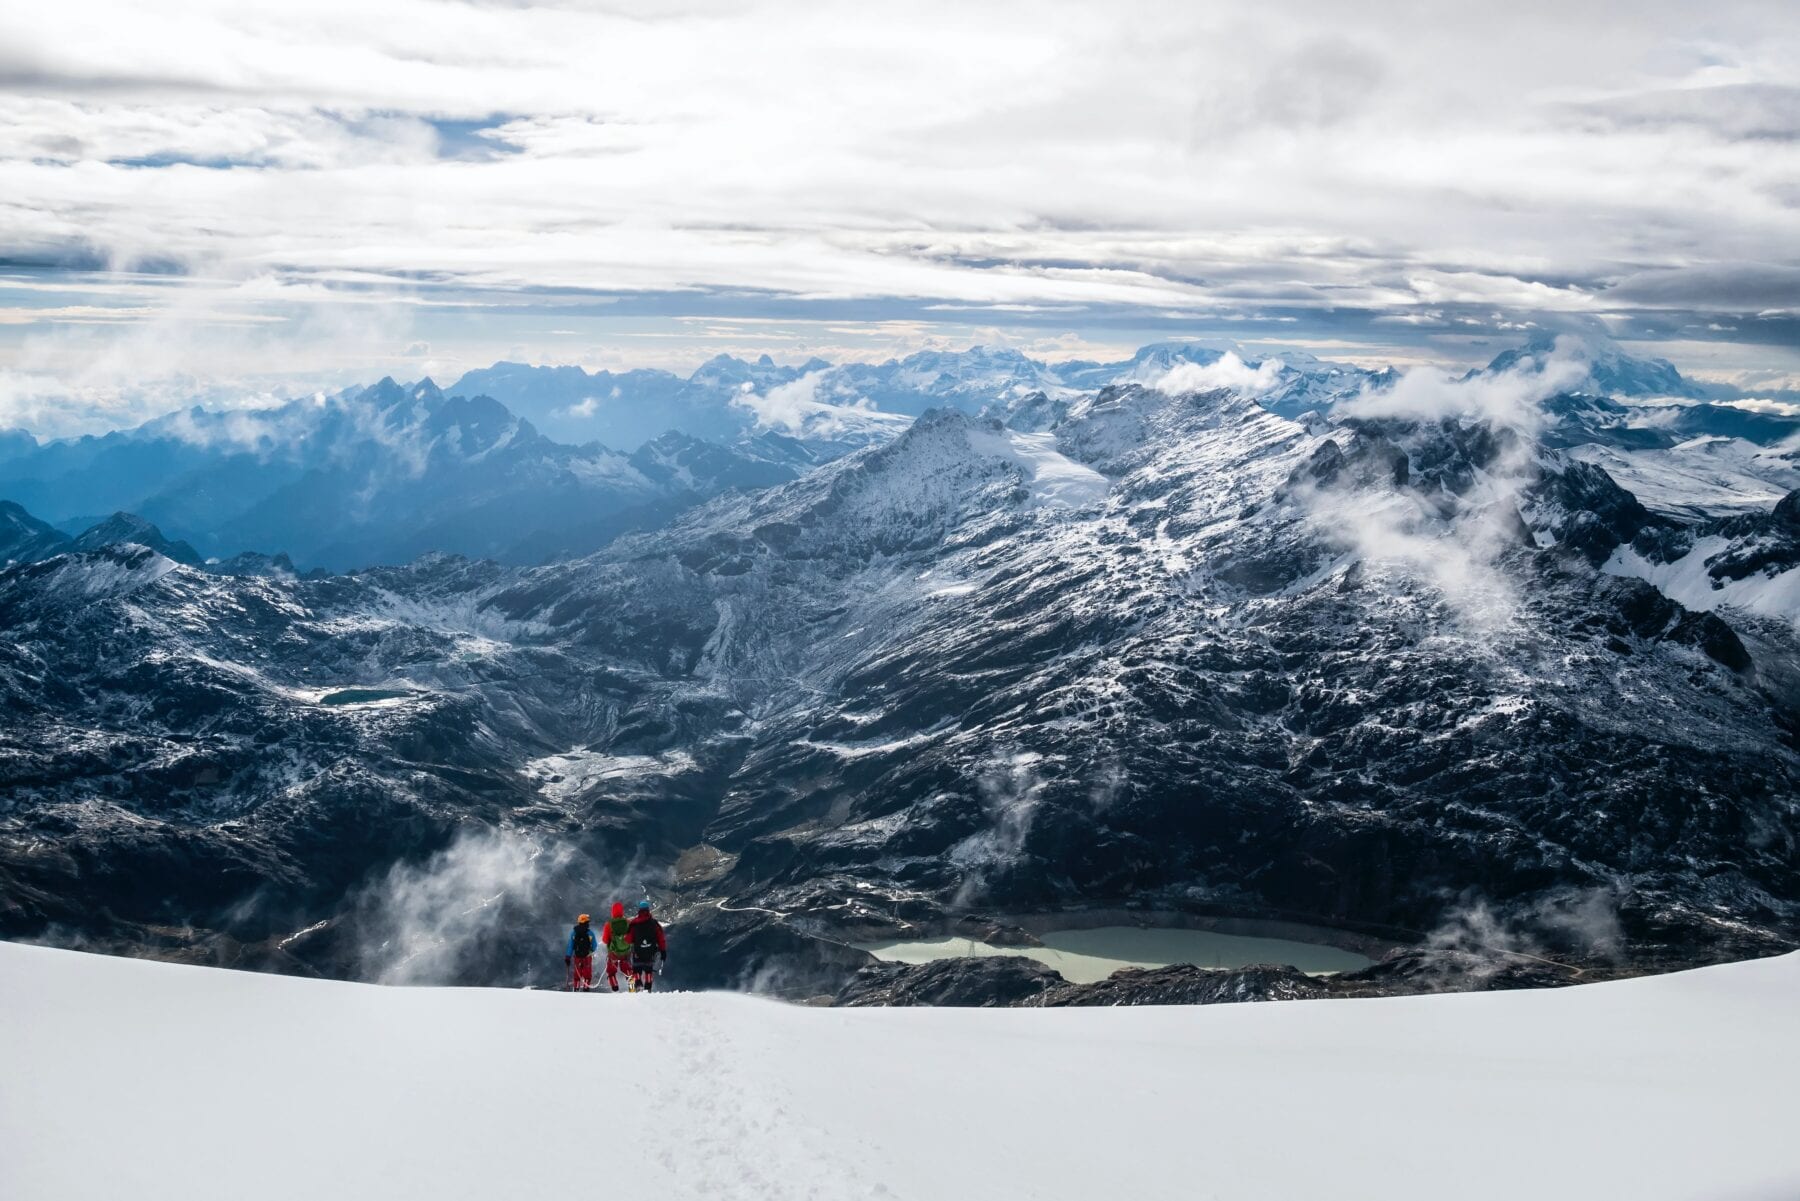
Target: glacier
205,1084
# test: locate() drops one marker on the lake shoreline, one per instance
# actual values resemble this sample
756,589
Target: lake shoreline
1089,954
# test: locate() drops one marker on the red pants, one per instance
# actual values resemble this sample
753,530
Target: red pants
581,973
614,965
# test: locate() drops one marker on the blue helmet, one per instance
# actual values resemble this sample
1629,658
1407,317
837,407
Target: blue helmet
644,905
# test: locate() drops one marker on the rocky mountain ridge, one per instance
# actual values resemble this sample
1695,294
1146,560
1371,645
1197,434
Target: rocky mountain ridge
1175,649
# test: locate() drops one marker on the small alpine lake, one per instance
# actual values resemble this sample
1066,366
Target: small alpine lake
364,696
1086,956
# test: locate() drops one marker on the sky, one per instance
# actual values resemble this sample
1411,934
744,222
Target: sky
221,202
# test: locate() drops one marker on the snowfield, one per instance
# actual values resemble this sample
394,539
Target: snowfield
1688,581
1054,480
130,1079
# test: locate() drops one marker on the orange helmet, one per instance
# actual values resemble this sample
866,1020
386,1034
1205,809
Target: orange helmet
582,920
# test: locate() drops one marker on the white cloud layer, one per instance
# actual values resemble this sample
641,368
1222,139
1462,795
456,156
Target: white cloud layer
1513,399
1453,544
1587,161
1228,371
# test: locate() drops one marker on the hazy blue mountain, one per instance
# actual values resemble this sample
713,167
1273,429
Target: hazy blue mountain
377,476
16,442
128,528
573,405
632,407
72,480
25,539
729,398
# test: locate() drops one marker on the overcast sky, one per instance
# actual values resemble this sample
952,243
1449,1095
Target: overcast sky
250,196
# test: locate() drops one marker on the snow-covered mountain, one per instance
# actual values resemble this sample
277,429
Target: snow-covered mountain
1661,1089
970,381
1609,371
1690,461
1701,477
1175,651
1746,563
129,528
1289,382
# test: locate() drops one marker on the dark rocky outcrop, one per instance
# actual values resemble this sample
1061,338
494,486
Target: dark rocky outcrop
1001,981
25,539
975,981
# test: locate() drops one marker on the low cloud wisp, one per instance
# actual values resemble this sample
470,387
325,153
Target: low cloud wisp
1453,544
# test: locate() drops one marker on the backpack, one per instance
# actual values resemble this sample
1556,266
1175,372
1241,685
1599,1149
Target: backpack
616,935
584,942
645,948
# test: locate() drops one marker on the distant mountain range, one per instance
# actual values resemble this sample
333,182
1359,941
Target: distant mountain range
380,476
522,464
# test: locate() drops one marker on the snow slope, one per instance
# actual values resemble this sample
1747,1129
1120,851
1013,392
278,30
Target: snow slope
1688,581
145,1080
1699,478
1055,480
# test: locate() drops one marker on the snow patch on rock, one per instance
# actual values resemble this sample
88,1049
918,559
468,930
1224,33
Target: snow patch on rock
573,772
1687,581
1054,479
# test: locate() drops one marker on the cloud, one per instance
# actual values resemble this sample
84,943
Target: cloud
1453,544
419,923
1729,111
785,407
1512,399
794,408
1321,83
1228,371
1579,921
1156,161
247,344
1397,531
1762,404
1764,288
1010,787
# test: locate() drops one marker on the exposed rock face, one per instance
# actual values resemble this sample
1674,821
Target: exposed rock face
979,981
1016,981
1183,984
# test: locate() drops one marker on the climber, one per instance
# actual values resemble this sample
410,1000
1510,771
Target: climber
578,957
649,947
617,938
